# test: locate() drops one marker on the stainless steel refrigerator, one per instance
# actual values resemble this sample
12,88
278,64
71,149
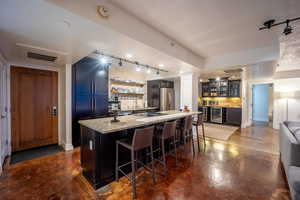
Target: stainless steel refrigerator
167,99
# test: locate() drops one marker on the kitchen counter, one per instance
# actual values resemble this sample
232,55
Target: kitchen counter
98,142
140,109
104,125
222,106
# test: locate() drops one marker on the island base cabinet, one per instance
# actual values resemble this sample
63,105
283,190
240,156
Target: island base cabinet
234,116
98,156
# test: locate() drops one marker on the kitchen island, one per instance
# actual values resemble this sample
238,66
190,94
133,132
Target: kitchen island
98,141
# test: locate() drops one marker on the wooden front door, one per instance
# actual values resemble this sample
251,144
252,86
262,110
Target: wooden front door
34,95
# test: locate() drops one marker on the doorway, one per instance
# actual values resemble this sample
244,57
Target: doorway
262,104
34,114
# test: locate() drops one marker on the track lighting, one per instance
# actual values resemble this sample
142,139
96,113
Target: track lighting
138,68
105,58
287,30
120,63
148,70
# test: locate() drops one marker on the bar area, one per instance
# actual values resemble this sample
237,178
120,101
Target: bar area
98,143
125,119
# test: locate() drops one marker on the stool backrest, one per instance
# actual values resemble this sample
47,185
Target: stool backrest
142,138
188,123
169,129
200,119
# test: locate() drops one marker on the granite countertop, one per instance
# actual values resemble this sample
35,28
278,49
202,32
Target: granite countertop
138,109
220,106
104,125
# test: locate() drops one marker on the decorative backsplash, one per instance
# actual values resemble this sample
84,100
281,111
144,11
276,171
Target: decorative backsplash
220,101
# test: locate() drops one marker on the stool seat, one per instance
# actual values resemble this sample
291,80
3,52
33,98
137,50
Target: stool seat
126,143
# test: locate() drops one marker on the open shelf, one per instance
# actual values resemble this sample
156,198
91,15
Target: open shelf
126,94
127,83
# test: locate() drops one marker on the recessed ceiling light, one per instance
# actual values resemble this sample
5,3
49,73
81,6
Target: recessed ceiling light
161,65
218,79
128,55
103,60
201,80
180,72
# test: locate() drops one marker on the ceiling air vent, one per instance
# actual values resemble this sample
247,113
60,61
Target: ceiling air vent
41,57
233,70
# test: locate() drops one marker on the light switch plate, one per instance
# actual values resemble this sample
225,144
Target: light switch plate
91,145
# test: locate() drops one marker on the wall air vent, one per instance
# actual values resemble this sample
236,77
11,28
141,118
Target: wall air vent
233,70
41,57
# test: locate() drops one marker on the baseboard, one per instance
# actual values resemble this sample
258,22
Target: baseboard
67,147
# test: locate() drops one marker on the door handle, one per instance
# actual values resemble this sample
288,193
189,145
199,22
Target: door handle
54,111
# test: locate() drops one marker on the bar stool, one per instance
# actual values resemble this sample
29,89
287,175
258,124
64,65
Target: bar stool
197,123
188,131
168,132
142,139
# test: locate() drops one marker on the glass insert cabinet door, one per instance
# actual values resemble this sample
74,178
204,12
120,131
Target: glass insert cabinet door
216,114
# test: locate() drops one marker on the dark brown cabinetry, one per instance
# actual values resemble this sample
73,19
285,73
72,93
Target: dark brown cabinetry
222,88
234,116
234,88
153,91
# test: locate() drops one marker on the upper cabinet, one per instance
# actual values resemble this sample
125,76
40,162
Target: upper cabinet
222,88
234,88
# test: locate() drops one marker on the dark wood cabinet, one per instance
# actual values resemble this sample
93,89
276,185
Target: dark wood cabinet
153,91
166,84
222,88
234,88
90,93
233,116
153,96
205,90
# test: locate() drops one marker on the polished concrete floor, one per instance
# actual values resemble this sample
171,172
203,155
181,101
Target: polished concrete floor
238,169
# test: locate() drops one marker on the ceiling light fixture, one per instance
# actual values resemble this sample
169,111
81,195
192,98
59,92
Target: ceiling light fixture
161,65
139,66
103,60
128,55
287,30
180,72
218,79
148,70
120,63
201,80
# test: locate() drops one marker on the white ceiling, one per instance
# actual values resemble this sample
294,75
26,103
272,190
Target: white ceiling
214,27
48,28
207,28
290,51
